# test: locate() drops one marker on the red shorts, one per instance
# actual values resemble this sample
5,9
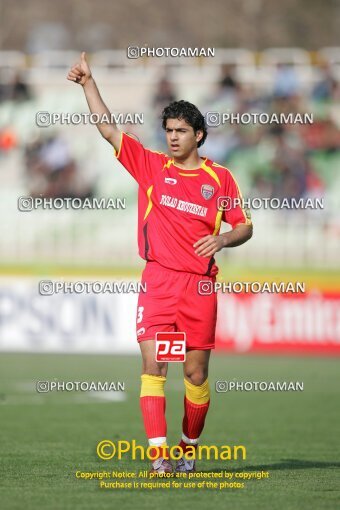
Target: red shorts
172,302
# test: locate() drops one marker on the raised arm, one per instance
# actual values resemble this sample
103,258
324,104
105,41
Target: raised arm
81,73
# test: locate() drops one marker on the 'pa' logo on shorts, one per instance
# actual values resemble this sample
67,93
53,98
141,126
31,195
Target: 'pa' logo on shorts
207,191
170,346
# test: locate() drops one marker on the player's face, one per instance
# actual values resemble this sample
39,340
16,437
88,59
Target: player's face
181,138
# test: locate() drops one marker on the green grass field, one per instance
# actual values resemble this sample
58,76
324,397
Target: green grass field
46,438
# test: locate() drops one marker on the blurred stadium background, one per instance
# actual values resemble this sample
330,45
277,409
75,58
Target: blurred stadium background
269,58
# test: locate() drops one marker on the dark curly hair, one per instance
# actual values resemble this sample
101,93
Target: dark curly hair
190,113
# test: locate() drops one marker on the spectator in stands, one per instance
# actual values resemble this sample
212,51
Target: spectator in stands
18,89
292,173
286,82
164,94
52,171
8,139
15,90
327,84
228,82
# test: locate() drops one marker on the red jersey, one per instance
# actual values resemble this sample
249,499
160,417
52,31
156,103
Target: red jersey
177,207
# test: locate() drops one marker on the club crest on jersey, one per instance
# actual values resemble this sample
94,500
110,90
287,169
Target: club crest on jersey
207,191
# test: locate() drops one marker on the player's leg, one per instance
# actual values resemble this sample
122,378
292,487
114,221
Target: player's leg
197,317
196,403
152,403
156,311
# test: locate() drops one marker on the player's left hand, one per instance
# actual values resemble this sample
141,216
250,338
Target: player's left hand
208,245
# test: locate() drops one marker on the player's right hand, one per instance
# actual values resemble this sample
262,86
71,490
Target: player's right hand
80,72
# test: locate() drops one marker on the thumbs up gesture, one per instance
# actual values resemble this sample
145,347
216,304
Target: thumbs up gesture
80,72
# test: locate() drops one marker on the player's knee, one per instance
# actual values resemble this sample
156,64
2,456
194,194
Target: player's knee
153,368
197,376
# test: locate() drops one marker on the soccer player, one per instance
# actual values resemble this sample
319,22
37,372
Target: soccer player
178,235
